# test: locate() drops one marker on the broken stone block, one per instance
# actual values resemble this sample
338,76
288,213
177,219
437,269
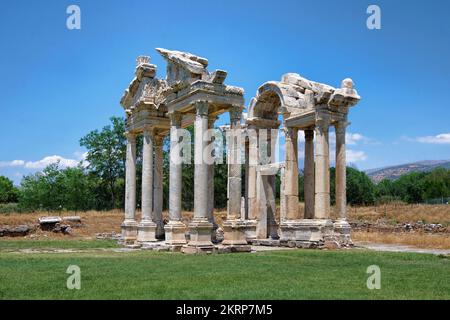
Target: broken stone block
19,231
49,223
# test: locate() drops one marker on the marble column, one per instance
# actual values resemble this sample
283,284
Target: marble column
234,227
175,229
234,167
291,174
342,227
147,228
252,164
322,170
309,174
129,225
200,228
211,122
341,197
244,215
158,187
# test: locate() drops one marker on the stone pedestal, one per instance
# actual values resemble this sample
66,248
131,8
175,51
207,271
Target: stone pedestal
200,234
175,233
250,230
129,231
306,230
234,232
342,230
146,231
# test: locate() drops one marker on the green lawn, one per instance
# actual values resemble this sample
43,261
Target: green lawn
299,274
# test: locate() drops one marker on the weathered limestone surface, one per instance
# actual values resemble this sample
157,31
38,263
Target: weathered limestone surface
190,94
309,174
129,225
147,228
175,229
322,172
158,187
200,227
312,107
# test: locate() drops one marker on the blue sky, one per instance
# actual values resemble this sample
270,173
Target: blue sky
58,84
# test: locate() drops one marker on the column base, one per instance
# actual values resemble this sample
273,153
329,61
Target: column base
234,232
250,230
160,230
309,230
342,230
175,233
200,233
146,231
129,231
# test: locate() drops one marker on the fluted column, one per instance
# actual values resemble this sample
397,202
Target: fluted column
252,174
211,122
147,175
291,174
147,228
309,174
129,226
175,229
201,168
341,227
200,228
234,227
322,170
158,187
234,167
341,196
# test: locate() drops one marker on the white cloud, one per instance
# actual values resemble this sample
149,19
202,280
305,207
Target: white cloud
14,163
443,138
355,156
44,162
352,139
41,164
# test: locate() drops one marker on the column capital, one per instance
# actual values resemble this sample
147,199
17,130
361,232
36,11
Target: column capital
341,125
290,132
201,107
236,112
158,141
131,137
323,121
211,121
309,134
148,131
175,118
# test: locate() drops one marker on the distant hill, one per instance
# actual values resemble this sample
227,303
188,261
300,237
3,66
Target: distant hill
395,172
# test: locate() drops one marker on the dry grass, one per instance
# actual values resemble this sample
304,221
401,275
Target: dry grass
93,222
108,221
402,213
420,240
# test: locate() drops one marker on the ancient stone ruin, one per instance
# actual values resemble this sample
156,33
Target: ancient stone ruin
191,94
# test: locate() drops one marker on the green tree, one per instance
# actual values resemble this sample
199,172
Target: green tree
106,156
410,187
8,193
436,184
360,189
